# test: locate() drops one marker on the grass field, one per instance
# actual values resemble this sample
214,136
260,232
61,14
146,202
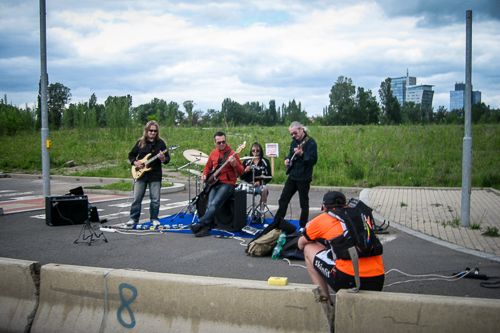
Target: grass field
364,156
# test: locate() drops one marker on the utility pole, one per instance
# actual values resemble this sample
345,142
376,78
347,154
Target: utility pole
46,144
467,143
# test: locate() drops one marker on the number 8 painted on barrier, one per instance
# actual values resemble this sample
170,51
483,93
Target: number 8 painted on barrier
125,305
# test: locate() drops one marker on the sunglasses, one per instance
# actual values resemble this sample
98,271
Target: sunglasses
255,150
153,131
221,142
293,133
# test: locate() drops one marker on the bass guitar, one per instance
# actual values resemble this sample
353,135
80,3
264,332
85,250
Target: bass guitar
212,179
138,172
290,166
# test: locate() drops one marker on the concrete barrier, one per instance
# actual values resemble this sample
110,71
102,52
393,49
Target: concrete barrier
89,299
19,283
395,312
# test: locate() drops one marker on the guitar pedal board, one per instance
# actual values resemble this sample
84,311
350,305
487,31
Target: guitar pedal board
251,230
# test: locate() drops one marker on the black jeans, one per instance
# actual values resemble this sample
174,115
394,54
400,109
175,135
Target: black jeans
292,186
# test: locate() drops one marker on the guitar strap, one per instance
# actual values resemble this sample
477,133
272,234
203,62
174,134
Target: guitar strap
224,158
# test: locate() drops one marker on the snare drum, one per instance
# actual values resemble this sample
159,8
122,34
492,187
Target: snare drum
245,187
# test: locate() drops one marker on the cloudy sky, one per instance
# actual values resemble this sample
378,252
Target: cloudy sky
246,50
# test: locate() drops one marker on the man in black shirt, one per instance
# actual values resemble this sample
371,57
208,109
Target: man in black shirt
300,162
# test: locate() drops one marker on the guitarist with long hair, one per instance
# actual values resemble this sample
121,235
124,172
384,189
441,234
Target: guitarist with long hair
226,165
150,143
299,162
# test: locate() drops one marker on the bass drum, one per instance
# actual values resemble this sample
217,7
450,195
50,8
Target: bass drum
224,215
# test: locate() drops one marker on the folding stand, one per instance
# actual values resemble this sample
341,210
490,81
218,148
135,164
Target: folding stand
191,206
86,226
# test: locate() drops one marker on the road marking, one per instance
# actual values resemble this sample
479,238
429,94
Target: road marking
384,239
16,193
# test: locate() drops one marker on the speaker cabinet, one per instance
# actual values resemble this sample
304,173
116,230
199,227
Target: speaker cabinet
66,210
232,216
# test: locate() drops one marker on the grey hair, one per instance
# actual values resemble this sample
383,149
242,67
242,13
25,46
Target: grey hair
298,125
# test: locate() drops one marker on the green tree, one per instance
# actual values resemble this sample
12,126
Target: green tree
255,113
341,108
293,112
411,113
189,105
14,120
118,111
58,97
440,114
232,113
366,109
272,116
391,109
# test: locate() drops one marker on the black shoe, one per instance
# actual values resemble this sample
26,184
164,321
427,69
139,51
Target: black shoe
195,228
203,232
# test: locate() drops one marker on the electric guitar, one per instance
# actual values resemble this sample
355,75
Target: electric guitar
212,179
138,172
290,166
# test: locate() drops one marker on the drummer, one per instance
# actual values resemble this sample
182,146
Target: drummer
262,171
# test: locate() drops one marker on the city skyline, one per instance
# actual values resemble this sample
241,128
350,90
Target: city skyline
249,51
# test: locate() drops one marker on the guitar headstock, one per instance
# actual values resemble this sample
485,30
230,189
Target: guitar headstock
173,147
241,147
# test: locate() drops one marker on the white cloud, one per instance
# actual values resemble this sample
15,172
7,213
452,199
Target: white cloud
245,50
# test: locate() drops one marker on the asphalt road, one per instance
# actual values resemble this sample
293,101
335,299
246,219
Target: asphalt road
26,236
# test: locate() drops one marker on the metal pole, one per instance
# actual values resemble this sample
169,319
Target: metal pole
467,143
43,102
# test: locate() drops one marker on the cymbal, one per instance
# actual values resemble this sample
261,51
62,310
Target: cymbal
196,172
248,157
193,154
263,177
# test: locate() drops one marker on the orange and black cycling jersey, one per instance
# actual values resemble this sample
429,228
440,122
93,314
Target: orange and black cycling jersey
327,227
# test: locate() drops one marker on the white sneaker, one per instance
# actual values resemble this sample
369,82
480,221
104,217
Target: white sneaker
155,223
130,222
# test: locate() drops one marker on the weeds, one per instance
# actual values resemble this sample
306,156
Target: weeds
403,204
491,231
454,223
475,226
375,155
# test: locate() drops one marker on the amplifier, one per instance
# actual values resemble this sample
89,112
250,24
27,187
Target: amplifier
232,216
66,210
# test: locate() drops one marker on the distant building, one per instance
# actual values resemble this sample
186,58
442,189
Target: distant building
457,97
422,94
405,89
399,86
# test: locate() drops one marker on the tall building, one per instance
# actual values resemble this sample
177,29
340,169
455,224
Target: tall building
399,86
405,89
422,94
457,97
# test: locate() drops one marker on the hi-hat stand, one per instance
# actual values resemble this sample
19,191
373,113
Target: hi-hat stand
87,227
191,206
256,213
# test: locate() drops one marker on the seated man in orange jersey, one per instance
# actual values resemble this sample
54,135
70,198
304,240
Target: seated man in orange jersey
322,265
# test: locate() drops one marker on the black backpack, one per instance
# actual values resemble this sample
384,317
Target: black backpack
359,232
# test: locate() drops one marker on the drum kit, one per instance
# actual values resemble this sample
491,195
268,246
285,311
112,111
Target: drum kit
255,212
